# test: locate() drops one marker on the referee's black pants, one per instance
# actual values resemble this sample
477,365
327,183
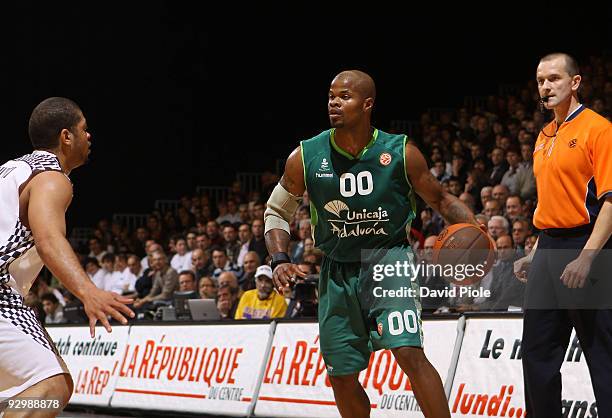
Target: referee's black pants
551,311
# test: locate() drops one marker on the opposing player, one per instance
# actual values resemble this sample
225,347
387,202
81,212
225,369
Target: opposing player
36,192
361,183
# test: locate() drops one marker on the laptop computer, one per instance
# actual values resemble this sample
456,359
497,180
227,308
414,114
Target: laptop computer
203,309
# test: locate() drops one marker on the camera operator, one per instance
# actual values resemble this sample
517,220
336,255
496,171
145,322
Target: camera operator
304,298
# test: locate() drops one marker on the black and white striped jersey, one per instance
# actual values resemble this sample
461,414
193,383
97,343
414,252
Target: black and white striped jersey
19,261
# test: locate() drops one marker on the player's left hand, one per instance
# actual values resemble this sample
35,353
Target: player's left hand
575,274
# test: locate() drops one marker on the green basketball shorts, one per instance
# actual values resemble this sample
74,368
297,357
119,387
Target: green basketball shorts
364,307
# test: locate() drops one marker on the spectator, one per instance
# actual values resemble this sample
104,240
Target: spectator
202,241
429,281
243,213
227,301
500,166
201,264
514,208
150,248
95,249
231,244
526,179
165,281
501,193
251,262
95,273
54,313
455,186
520,231
486,194
207,288
511,176
244,237
212,231
132,273
263,302
187,281
492,208
258,212
191,241
222,263
227,278
498,227
506,290
297,250
258,242
142,236
182,259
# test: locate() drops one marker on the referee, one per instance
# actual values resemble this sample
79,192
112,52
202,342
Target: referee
568,286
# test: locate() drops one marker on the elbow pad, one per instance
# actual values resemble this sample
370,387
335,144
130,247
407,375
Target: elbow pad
280,209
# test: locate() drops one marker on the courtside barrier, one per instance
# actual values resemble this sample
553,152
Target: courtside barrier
271,369
489,376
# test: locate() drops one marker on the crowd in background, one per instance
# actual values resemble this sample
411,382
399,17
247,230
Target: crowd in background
482,155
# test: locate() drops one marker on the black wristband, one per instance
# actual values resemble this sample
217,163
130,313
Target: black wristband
279,258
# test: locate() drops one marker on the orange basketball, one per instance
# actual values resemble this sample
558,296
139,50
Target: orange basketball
464,252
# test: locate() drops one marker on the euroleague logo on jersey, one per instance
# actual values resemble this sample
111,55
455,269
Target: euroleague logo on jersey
385,158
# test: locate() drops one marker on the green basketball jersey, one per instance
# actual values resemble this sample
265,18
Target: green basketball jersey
363,202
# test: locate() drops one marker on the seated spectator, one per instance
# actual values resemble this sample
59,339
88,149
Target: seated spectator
190,238
96,250
120,282
498,226
182,259
32,301
150,248
258,241
54,313
201,264
500,166
231,244
95,273
431,282
501,193
486,194
511,176
207,287
520,231
244,237
514,208
165,281
492,208
227,301
187,281
227,278
41,286
222,263
506,290
297,249
251,262
212,231
263,302
131,274
144,283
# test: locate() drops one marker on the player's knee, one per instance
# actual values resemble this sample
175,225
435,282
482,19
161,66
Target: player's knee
59,387
411,359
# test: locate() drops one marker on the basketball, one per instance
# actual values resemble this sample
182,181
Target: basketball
465,253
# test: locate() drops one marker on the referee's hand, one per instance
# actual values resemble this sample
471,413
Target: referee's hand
284,275
521,266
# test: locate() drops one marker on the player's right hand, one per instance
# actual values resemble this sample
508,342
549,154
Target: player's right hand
284,275
520,268
98,304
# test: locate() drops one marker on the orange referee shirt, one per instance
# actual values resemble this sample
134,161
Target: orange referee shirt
572,164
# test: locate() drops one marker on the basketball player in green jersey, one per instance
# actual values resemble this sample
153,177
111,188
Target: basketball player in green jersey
361,184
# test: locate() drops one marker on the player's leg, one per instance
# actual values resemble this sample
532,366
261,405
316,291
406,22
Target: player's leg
399,329
426,383
58,387
30,366
343,337
351,398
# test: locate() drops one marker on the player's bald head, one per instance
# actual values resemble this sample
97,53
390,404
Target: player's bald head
358,81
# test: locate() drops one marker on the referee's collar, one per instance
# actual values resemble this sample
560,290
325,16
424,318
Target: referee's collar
575,113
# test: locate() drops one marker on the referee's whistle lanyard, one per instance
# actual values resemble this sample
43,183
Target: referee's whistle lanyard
557,126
